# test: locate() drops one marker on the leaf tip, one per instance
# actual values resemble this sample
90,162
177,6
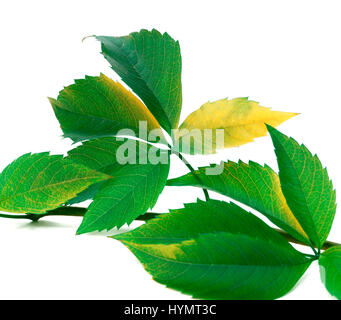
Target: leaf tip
52,101
81,230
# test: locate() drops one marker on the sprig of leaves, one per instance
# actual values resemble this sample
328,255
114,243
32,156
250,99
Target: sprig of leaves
301,200
209,249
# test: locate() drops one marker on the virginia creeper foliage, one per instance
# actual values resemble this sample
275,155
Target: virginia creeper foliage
208,249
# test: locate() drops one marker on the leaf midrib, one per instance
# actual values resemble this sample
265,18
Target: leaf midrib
214,264
145,83
128,194
224,128
302,192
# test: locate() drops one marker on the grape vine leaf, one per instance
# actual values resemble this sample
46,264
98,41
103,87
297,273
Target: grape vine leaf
36,183
216,250
251,184
306,187
330,270
98,106
134,189
225,124
150,64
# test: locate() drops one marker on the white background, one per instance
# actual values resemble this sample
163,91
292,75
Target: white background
284,54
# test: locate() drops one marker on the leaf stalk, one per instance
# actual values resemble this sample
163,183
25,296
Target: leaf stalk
189,166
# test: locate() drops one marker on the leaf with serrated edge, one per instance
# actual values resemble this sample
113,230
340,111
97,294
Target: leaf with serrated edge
330,270
306,187
98,106
133,190
216,250
241,120
251,184
36,183
150,64
102,155
87,194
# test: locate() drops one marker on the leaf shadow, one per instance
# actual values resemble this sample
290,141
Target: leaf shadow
43,224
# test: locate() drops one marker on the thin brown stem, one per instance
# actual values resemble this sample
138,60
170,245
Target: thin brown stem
67,211
327,244
189,166
80,212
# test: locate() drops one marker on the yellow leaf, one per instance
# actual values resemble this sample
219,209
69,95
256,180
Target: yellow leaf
226,124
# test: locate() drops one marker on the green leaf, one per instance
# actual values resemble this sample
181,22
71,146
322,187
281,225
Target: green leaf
216,250
87,194
135,186
97,106
226,124
251,184
306,187
104,155
150,64
330,270
107,154
36,183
